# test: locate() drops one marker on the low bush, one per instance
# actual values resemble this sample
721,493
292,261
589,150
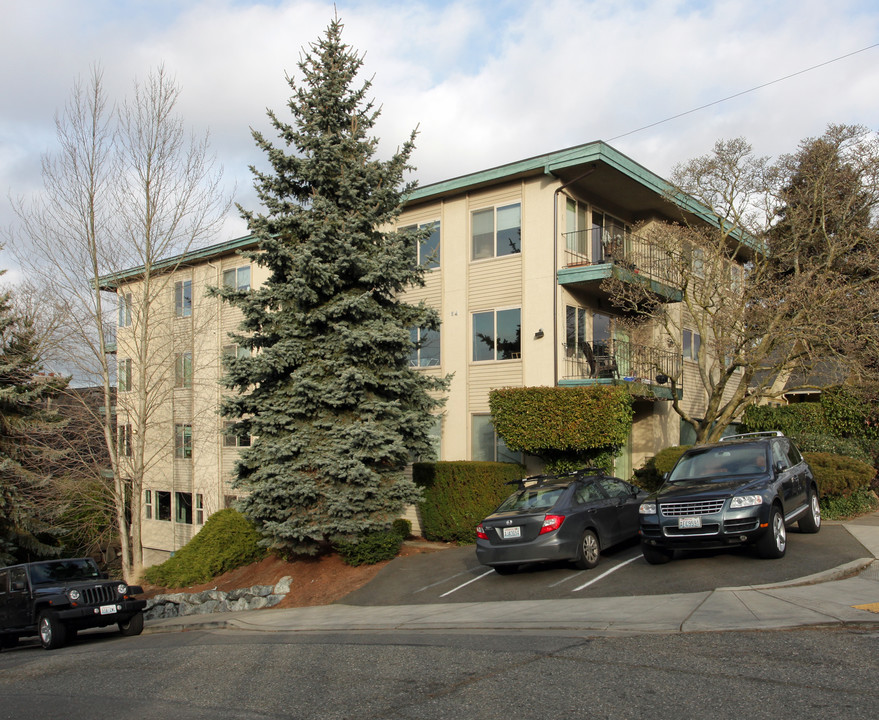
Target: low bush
228,540
858,503
402,527
457,495
819,443
651,476
372,548
839,475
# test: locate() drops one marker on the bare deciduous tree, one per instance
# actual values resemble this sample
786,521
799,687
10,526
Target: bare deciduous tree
128,188
782,276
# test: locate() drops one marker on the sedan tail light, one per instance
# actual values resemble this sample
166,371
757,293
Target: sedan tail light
551,522
480,532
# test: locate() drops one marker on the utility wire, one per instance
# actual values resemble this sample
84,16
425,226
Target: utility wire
743,92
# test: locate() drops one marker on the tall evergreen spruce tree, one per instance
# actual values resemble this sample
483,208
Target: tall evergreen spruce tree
25,499
327,391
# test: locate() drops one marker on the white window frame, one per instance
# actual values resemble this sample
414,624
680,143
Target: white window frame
517,355
494,210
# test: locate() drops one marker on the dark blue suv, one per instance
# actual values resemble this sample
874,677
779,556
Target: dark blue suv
744,490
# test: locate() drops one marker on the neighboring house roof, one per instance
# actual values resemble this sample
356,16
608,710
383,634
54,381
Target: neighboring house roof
615,178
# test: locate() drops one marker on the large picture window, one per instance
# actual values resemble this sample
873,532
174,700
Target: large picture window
497,335
487,445
237,278
428,251
496,232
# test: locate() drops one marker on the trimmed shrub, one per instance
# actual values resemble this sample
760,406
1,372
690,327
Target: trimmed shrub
372,548
792,420
651,476
838,475
812,443
402,527
457,495
858,503
228,540
568,427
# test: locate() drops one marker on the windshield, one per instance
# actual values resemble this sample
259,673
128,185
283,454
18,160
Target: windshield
60,571
720,463
535,498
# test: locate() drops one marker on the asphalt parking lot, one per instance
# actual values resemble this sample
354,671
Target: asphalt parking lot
455,576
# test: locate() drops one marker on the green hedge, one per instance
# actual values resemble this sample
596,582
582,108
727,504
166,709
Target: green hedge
537,419
650,477
457,495
228,540
838,475
372,548
790,419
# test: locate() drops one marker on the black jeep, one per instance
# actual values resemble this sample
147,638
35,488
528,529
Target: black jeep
56,598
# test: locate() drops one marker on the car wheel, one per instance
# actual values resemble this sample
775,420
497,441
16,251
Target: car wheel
132,626
588,551
811,523
52,630
655,555
774,541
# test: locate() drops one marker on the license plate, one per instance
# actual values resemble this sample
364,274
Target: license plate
689,522
512,532
108,609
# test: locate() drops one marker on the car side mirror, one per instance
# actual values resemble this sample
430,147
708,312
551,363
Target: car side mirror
778,467
18,585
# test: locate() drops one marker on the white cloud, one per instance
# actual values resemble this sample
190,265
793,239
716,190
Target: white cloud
486,82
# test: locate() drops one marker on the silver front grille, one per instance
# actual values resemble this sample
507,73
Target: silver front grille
99,595
699,507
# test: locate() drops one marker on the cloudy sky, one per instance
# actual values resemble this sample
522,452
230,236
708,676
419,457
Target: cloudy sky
486,81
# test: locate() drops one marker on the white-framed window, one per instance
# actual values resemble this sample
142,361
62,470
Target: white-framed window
428,251
487,445
148,504
183,440
425,347
576,229
233,351
124,309
691,344
123,375
497,335
199,509
237,278
496,231
183,370
183,298
123,433
230,439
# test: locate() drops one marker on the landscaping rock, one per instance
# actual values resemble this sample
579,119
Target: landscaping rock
213,601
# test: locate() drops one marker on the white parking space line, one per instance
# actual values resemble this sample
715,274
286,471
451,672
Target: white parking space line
607,572
567,579
440,582
466,583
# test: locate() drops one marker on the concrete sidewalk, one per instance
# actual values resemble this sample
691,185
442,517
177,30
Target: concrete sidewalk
845,595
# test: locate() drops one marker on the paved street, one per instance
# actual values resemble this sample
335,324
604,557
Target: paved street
215,675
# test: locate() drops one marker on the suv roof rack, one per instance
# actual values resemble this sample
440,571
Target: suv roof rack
765,433
536,479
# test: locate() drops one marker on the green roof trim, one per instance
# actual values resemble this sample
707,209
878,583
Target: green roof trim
113,280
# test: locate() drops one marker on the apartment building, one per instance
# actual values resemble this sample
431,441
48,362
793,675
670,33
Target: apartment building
517,255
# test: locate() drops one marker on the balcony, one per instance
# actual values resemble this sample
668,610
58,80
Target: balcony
593,255
645,369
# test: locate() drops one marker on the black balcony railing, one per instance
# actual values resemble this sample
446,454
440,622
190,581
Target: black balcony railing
621,360
597,247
